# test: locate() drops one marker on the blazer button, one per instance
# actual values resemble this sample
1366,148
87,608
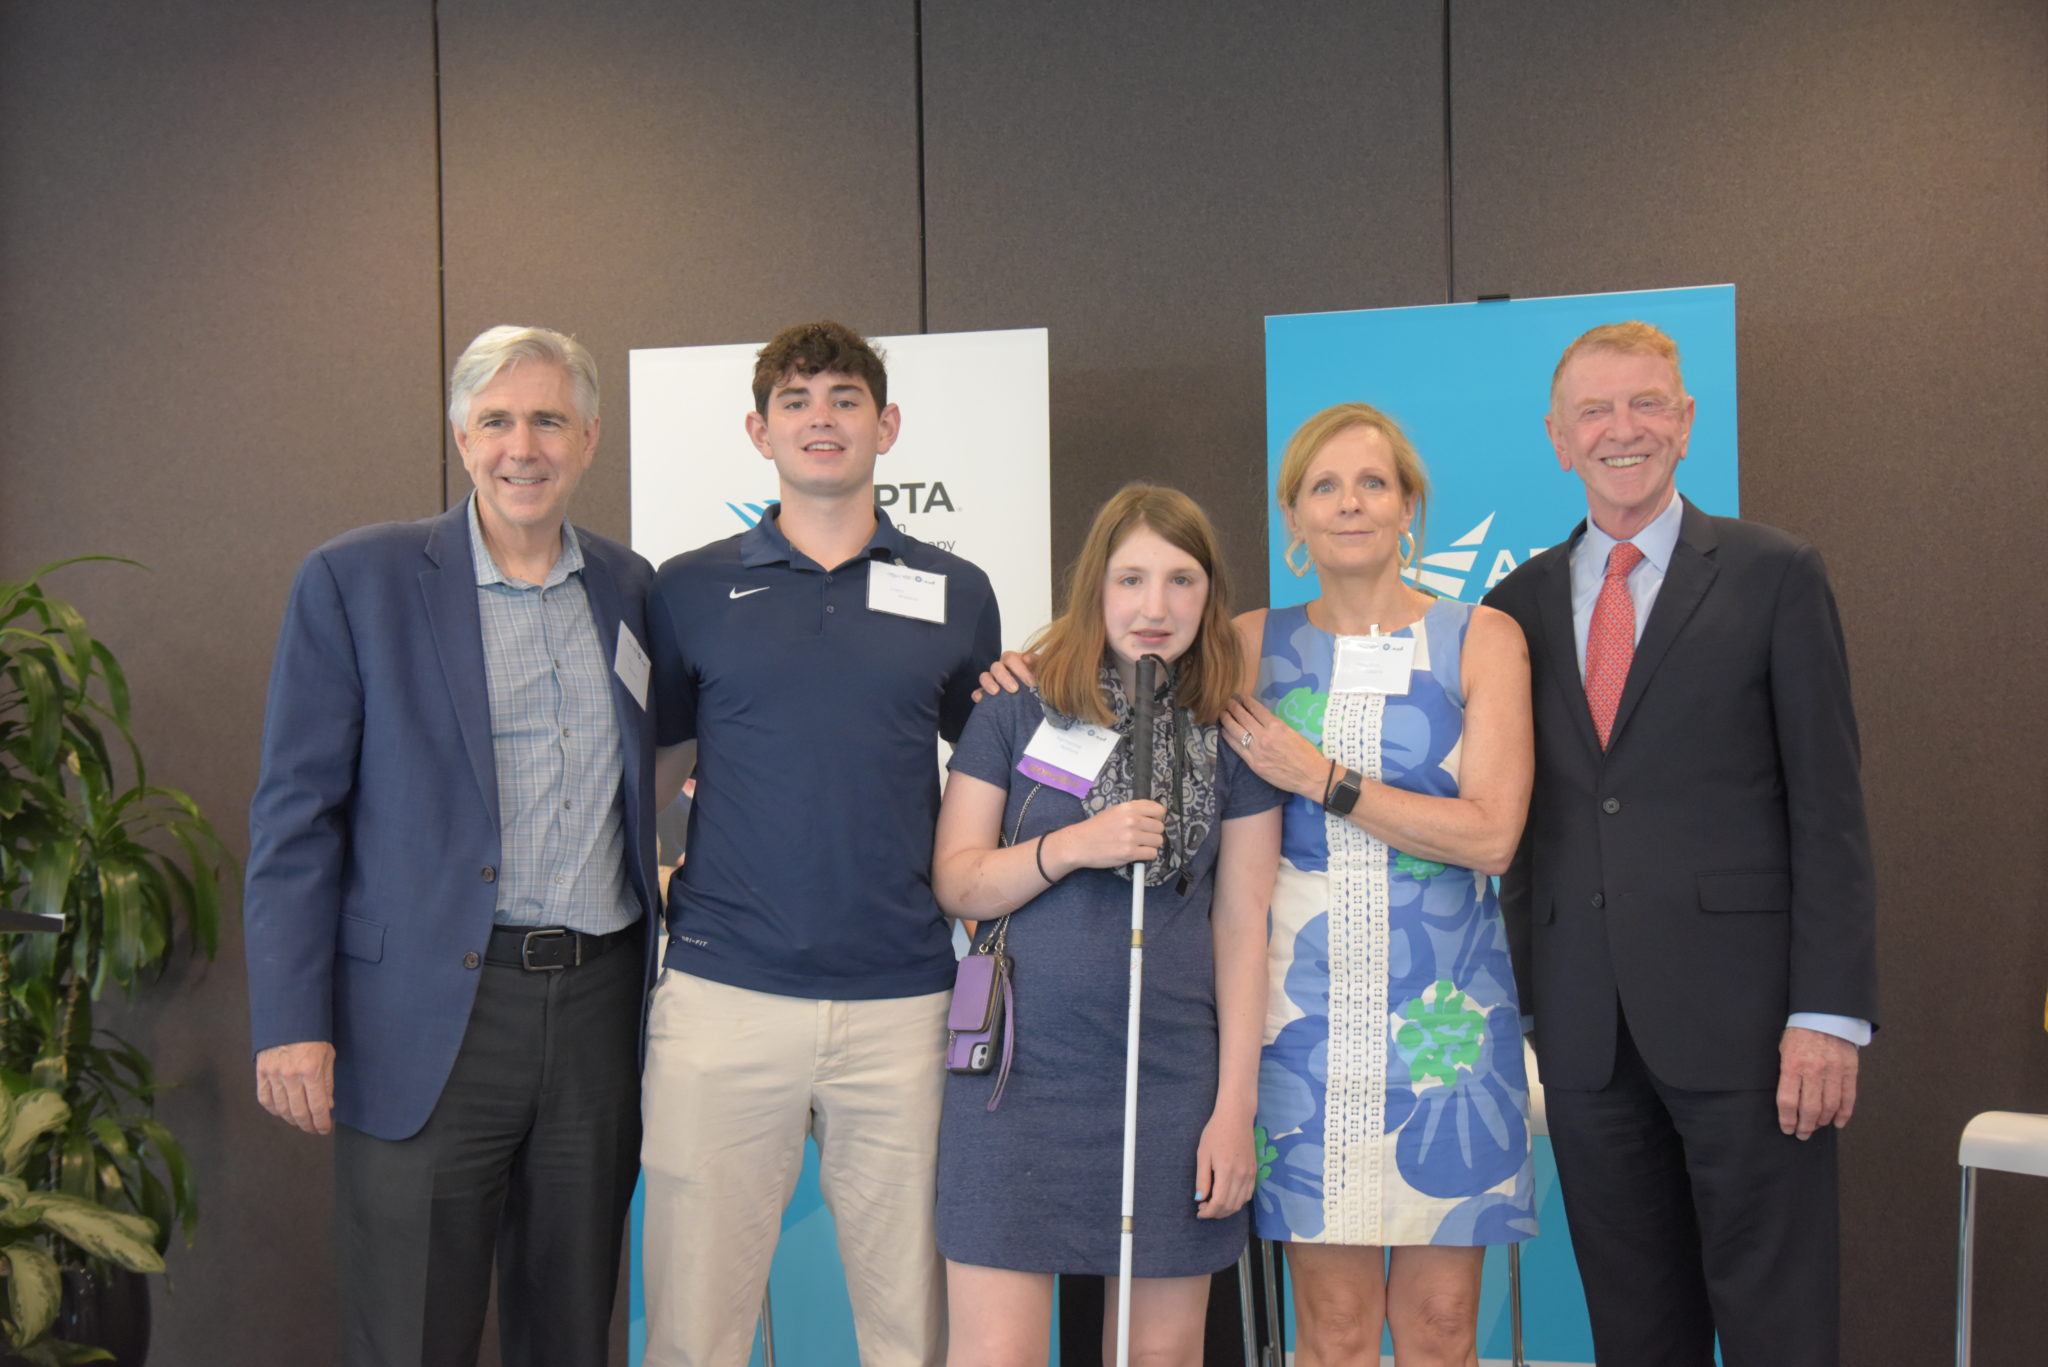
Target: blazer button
1599,899
471,959
1611,805
490,875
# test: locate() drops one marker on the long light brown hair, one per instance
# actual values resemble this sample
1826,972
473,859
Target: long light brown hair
1071,647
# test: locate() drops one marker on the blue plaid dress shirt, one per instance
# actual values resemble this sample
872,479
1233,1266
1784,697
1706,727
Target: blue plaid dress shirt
556,742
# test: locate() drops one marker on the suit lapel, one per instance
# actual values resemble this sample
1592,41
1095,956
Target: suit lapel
1554,602
448,587
1686,581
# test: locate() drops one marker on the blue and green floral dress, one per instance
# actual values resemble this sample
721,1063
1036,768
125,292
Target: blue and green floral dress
1393,1107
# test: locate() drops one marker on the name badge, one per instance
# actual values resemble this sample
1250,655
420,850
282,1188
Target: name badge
631,664
1069,759
1373,664
906,592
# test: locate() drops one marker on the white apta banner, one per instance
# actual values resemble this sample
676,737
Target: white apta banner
969,472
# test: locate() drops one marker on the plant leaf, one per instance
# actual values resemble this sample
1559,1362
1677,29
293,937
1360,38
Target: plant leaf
42,697
113,1139
35,1114
33,1287
117,683
74,1173
128,1240
184,1190
50,874
205,893
122,894
76,658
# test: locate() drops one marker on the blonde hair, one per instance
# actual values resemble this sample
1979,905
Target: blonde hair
1313,435
1070,647
1632,338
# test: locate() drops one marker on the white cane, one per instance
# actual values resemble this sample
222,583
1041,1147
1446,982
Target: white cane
1141,791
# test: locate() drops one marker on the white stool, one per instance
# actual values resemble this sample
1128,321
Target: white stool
1537,1125
2004,1141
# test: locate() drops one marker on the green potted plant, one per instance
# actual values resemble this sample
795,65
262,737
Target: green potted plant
104,869
32,1220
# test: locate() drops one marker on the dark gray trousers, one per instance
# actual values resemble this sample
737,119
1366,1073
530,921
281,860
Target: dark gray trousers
528,1160
1693,1216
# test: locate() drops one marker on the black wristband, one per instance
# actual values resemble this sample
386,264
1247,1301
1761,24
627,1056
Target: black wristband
1329,783
1344,796
1038,858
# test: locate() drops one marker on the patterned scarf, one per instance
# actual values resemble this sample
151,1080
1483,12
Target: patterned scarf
1183,765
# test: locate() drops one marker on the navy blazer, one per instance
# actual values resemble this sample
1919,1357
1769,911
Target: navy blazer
374,835
1709,873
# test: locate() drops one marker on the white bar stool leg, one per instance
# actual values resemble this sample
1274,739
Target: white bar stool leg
1276,1344
767,1330
1515,1306
1244,1305
1965,1239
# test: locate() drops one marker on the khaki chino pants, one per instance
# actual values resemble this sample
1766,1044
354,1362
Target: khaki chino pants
734,1082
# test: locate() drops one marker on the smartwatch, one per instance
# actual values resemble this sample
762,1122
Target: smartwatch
1344,796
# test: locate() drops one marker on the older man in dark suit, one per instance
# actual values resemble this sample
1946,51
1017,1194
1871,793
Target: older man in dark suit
1692,905
450,880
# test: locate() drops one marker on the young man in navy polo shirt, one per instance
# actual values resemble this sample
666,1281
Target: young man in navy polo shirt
811,661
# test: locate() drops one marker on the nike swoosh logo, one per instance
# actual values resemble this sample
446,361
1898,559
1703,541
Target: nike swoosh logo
741,593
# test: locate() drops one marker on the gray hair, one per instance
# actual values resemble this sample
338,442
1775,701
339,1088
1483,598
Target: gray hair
498,347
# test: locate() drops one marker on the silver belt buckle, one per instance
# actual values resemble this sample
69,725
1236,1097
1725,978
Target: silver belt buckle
526,951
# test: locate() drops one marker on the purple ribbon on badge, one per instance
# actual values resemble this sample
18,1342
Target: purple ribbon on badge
1052,776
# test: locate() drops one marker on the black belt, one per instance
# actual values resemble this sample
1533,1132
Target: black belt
548,949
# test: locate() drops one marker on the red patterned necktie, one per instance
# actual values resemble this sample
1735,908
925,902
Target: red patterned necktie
1611,640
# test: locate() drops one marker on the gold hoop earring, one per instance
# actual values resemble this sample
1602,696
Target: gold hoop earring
1408,556
1287,557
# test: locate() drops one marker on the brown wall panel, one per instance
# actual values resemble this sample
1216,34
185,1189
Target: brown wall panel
218,349
662,174
1149,185
1871,177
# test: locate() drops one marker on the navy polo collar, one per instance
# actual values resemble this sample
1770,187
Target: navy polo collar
764,543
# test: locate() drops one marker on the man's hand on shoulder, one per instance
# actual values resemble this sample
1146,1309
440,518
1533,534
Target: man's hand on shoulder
1012,672
1816,1081
295,1083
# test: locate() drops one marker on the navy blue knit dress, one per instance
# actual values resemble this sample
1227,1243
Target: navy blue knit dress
1035,1185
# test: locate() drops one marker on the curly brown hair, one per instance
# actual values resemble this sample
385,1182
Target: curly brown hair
809,349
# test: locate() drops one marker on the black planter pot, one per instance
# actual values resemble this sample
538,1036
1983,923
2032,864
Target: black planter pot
110,1313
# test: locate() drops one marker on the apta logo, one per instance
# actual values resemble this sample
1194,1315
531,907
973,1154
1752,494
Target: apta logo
918,496
1436,570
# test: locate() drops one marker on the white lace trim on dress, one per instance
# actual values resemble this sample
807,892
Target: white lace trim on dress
1355,1104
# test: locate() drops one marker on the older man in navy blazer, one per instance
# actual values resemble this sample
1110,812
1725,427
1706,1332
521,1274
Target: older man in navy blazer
1692,906
449,885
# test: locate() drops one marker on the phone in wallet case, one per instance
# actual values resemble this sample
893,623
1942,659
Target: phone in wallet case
974,1021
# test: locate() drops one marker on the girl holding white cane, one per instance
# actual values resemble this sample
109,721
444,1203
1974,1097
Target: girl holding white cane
1037,835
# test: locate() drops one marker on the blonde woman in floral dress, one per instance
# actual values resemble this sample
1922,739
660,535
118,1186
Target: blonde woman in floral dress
1393,1109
